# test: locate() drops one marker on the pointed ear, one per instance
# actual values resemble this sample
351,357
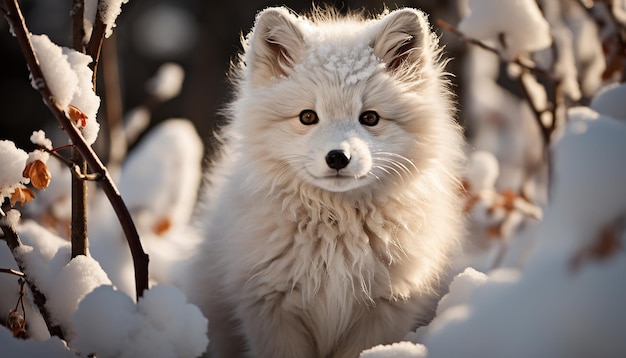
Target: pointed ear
275,46
403,38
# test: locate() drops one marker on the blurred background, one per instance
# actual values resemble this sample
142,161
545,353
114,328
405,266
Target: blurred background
200,36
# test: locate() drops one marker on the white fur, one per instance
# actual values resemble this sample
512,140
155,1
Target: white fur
301,260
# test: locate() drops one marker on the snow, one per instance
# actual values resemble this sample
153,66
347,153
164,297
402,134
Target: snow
159,183
461,288
109,11
38,155
167,82
396,350
12,162
80,294
64,282
135,122
564,301
69,78
84,98
483,170
52,348
56,69
11,218
520,21
610,101
39,138
162,324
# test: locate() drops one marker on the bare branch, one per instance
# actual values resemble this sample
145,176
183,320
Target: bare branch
78,236
95,43
12,272
546,130
520,62
78,25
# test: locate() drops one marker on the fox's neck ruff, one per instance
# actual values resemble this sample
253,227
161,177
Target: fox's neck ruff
357,236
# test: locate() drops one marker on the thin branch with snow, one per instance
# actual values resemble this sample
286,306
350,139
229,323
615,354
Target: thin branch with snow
94,45
545,129
13,241
140,258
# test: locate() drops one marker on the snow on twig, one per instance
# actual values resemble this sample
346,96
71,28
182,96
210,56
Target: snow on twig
546,129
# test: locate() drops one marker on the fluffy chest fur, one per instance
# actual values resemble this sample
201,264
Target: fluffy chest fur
325,258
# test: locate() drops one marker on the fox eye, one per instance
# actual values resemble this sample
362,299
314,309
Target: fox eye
369,118
308,117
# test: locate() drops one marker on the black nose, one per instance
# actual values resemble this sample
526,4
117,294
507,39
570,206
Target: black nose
337,159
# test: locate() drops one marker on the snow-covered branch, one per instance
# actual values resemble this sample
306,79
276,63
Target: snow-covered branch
140,258
7,224
526,68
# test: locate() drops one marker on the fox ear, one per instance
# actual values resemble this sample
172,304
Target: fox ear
403,38
275,46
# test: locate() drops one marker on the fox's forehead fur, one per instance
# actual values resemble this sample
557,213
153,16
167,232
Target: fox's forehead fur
346,47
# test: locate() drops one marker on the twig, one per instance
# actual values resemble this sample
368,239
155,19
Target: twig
95,44
78,235
534,69
12,272
74,169
546,131
616,55
117,142
140,258
78,25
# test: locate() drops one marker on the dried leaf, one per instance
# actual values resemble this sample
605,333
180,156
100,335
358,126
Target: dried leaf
602,247
494,232
38,173
508,199
22,195
162,225
470,202
77,116
17,324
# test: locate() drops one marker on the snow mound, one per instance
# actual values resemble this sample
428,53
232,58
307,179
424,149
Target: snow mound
162,324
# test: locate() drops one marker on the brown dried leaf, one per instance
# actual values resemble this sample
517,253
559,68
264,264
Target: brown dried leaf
77,116
494,232
162,225
602,247
17,324
470,202
22,195
38,173
508,199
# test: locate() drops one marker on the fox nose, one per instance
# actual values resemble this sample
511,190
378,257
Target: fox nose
337,159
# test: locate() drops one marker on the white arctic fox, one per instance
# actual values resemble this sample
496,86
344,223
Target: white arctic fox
334,205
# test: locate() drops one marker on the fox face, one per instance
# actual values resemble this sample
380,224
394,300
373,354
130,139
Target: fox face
336,104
